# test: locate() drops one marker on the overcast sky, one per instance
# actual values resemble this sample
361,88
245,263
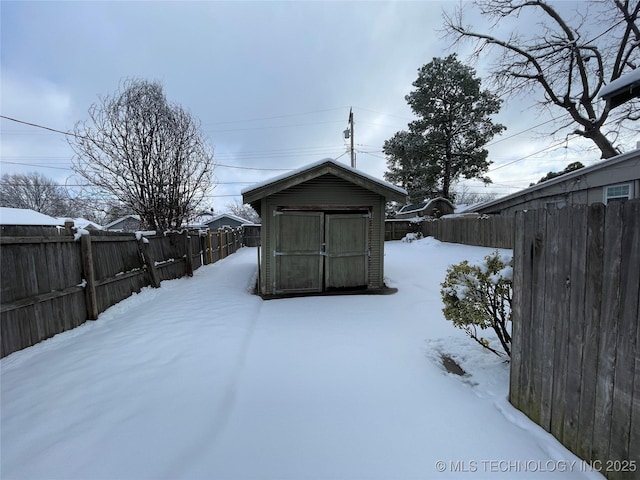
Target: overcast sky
271,82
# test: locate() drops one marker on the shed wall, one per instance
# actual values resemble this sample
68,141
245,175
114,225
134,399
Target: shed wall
324,193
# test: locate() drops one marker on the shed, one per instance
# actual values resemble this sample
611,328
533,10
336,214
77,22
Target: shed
322,229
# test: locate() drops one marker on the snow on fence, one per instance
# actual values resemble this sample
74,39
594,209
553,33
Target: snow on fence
55,282
480,230
575,364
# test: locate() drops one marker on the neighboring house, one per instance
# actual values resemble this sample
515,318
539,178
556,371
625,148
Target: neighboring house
612,180
22,221
128,223
226,220
322,229
435,207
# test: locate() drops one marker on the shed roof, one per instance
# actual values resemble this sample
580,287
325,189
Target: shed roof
317,169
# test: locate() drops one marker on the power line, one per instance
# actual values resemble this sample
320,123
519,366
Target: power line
40,126
276,116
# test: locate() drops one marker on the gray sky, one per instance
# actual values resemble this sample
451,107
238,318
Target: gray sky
271,82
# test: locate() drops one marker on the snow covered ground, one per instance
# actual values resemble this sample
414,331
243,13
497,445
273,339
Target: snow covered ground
202,380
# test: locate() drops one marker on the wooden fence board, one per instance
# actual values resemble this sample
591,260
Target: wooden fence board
609,317
538,284
626,350
516,377
560,319
634,420
575,325
594,266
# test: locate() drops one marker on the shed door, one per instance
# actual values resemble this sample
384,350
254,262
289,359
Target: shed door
298,253
346,250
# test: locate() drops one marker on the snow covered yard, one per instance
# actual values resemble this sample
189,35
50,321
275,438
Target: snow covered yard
201,379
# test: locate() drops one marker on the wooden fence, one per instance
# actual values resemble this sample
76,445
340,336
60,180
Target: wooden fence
575,365
481,230
54,282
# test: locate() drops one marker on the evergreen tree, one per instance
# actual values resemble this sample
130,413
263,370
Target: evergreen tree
447,141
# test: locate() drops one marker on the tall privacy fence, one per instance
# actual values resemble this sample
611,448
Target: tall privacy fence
575,365
481,230
53,280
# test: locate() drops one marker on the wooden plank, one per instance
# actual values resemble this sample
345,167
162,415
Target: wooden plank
634,421
549,318
120,277
89,275
38,240
43,297
518,322
530,401
626,350
575,325
538,249
592,307
149,262
560,312
188,255
609,319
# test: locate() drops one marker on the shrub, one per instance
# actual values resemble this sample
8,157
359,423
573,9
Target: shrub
479,296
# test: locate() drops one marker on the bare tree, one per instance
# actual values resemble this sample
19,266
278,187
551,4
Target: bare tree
569,58
33,191
145,154
244,211
464,196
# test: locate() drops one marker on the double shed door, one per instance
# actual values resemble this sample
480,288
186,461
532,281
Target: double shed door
316,251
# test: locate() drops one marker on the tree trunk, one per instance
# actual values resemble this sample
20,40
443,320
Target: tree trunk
605,146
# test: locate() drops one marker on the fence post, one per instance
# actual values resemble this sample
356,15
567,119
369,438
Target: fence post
188,253
149,262
89,273
220,247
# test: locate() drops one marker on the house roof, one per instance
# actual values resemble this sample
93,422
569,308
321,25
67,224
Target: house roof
317,169
122,219
622,89
418,207
537,188
25,216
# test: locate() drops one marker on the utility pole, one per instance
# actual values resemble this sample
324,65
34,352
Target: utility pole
353,152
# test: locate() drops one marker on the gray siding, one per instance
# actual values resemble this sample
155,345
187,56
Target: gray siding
324,193
581,187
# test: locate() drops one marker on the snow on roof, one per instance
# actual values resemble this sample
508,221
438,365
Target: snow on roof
24,216
81,222
229,215
316,164
627,80
417,207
